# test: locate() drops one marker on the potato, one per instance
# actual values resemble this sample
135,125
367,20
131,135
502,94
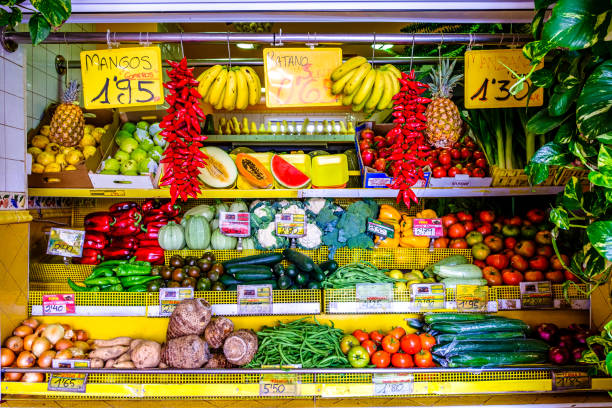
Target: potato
117,341
240,347
147,354
191,316
96,363
134,343
217,331
186,352
106,353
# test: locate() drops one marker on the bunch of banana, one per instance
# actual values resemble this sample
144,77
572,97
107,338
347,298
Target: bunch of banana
233,126
229,89
365,88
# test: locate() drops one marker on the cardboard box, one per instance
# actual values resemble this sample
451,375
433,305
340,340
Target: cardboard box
372,178
78,178
113,181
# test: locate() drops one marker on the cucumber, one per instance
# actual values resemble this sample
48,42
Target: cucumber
263,282
317,276
314,285
453,282
328,266
453,317
300,260
494,324
263,259
448,337
449,260
232,270
467,271
467,346
493,359
284,282
228,280
279,269
415,323
248,276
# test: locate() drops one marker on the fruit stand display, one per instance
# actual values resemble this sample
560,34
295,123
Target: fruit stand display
398,245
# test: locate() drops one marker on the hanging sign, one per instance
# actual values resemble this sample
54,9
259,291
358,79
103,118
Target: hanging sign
488,82
58,304
122,77
235,224
300,76
471,298
427,227
65,242
536,295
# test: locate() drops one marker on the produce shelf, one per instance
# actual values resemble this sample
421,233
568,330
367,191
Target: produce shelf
305,193
122,384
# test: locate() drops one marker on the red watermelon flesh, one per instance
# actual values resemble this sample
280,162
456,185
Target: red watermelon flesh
287,174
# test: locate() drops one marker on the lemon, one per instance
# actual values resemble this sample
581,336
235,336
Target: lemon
87,140
411,276
395,274
418,273
400,286
61,159
89,151
45,158
88,128
70,167
53,168
40,141
45,130
34,151
38,168
74,156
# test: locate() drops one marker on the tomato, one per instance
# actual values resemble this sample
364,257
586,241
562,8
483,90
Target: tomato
512,277
487,216
492,276
441,242
427,341
543,237
539,263
480,251
478,154
494,243
360,335
555,276
457,231
390,344
449,220
370,346
508,253
365,144
439,172
455,154
516,221
479,263
481,162
509,242
376,337
381,359
570,276
458,243
525,248
444,158
452,172
358,357
380,164
464,216
555,263
535,215
397,332
347,342
473,238
469,226
401,360
534,276
519,263
423,359
466,153
411,343
478,172
545,250
485,229
498,261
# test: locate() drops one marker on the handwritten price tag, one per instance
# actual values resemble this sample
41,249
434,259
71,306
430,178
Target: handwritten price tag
300,76
235,224
170,297
427,227
382,229
65,242
472,298
122,77
254,299
290,225
570,380
68,382
374,297
536,295
429,295
58,304
488,82
392,384
279,385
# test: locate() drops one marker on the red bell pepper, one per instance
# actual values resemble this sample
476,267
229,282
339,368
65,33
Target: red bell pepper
155,255
124,228
150,204
126,242
155,215
171,209
131,214
116,253
95,240
151,231
89,257
121,207
98,222
154,224
149,243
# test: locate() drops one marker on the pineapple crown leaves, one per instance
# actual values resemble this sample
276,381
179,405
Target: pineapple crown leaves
442,79
71,94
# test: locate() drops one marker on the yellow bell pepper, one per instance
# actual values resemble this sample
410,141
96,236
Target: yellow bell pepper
406,226
389,242
427,214
414,242
388,212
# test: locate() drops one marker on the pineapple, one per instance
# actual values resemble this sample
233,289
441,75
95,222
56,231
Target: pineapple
443,120
67,123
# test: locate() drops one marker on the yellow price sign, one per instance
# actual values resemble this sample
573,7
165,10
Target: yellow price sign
300,76
472,298
122,77
488,81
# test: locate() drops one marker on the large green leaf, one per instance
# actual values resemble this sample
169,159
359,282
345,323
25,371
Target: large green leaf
542,78
594,106
535,51
605,138
577,24
537,24
552,154
11,18
537,172
604,160
565,133
600,179
572,195
39,28
560,218
54,11
600,235
542,122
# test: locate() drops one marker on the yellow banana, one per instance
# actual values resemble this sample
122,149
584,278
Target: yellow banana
229,100
357,78
365,89
377,90
250,75
348,66
338,86
242,90
219,104
347,100
206,79
396,72
216,92
387,94
358,107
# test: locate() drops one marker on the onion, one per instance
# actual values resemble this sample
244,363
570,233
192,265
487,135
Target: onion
69,335
53,333
7,357
40,345
82,345
25,359
63,355
66,327
27,342
76,352
46,358
14,343
32,377
63,344
31,322
81,335
40,329
23,331
12,376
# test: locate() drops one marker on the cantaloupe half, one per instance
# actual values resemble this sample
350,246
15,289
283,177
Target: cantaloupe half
220,170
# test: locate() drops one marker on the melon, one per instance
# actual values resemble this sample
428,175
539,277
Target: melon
220,170
253,171
286,174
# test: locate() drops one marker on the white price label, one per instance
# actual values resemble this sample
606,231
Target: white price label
235,224
254,299
170,297
374,297
392,384
290,225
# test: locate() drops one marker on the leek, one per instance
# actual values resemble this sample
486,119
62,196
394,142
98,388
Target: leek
508,147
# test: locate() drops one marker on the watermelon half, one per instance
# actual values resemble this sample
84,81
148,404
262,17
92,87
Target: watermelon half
287,174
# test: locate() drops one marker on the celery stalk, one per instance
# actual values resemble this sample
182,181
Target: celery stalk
499,137
508,147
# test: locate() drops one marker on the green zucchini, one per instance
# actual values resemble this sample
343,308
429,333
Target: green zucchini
448,337
314,285
263,259
278,269
494,324
449,261
493,359
415,324
248,276
328,266
291,271
284,282
228,280
300,260
233,270
453,317
263,282
453,282
317,276
466,271
490,345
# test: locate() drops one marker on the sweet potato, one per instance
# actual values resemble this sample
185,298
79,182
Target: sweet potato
240,347
146,354
191,316
124,357
117,341
124,364
134,343
96,363
185,352
106,353
217,331
109,363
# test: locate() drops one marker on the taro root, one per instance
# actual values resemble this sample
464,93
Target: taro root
217,331
185,352
240,347
191,316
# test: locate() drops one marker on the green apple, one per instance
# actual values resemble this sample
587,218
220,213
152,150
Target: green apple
141,134
138,155
131,173
122,156
129,165
142,125
154,129
108,171
147,165
129,127
128,144
156,153
146,145
121,135
159,139
111,164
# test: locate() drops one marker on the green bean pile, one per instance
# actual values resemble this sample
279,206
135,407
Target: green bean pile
349,275
313,345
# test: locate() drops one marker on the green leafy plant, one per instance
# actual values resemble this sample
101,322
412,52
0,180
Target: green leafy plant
47,15
578,121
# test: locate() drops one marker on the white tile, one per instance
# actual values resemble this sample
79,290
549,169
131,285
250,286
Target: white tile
2,173
27,51
2,62
39,103
52,88
40,82
15,176
29,104
13,78
54,48
1,106
40,58
2,137
16,57
14,143
30,121
14,111
30,78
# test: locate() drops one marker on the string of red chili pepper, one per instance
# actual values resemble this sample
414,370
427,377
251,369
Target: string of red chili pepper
409,151
181,129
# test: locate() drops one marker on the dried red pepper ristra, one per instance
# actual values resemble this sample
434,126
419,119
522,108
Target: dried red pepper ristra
409,151
181,129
